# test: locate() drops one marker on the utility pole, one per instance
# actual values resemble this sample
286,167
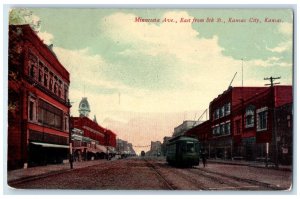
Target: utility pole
274,126
70,137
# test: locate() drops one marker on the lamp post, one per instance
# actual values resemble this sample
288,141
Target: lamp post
70,137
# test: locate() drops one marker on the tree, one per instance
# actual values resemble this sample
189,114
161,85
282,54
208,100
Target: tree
19,16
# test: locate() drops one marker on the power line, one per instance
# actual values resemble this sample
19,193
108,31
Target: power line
272,80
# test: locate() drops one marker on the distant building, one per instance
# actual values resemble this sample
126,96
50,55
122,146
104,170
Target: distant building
90,140
38,101
164,145
186,125
155,149
124,148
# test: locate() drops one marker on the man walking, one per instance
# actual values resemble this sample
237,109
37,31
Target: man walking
203,156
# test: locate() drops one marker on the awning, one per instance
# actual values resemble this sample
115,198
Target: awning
92,150
111,149
79,147
101,148
50,145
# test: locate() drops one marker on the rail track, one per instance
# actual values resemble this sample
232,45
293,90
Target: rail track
202,179
225,178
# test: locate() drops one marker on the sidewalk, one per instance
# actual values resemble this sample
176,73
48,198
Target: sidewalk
21,175
251,164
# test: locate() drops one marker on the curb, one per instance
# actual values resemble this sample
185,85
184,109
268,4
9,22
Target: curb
43,175
30,178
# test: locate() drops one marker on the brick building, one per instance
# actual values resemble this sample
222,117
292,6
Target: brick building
93,141
242,123
38,108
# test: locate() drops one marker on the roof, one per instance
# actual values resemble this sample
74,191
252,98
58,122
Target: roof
43,49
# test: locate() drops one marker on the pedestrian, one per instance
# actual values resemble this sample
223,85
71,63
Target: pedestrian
203,156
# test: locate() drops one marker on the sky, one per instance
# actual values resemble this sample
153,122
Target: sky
143,79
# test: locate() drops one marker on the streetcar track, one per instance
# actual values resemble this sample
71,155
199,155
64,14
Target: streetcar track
165,181
195,182
219,180
239,179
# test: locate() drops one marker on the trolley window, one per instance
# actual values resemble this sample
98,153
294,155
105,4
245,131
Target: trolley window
190,147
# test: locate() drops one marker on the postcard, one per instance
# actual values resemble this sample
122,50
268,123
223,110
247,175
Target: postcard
150,99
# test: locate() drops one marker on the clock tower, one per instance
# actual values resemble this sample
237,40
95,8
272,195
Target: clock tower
84,108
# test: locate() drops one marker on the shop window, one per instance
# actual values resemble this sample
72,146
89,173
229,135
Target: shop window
249,116
262,116
49,115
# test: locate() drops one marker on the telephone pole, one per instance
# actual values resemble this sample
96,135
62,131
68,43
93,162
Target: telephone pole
274,126
272,80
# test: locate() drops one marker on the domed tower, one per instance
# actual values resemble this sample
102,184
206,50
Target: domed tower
84,108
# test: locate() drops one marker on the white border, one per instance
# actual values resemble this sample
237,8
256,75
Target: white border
136,3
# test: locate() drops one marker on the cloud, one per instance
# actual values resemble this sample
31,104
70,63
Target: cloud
46,37
282,47
200,69
286,30
194,59
270,62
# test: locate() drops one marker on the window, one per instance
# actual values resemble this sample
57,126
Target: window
66,123
40,75
227,108
222,128
51,82
31,111
262,115
249,116
66,92
32,64
216,114
227,128
32,70
59,88
46,77
222,111
50,115
216,130
190,147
